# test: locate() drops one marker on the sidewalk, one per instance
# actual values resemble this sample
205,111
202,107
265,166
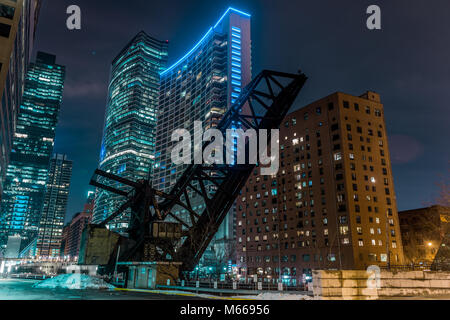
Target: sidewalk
233,291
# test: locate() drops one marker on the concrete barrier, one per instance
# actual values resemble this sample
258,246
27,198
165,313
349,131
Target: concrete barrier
362,285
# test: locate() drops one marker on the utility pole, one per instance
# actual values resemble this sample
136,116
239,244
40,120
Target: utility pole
279,248
115,267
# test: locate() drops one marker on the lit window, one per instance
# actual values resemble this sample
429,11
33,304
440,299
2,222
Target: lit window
337,156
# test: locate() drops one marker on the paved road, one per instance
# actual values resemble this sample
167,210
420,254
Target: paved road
17,289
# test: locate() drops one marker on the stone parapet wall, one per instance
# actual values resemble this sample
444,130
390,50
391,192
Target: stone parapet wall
364,285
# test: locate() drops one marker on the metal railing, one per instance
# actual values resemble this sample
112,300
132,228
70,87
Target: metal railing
230,285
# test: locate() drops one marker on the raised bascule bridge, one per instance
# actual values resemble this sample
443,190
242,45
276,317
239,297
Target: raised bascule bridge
165,244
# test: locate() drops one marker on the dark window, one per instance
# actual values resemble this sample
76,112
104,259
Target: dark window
356,107
5,30
7,11
346,104
330,106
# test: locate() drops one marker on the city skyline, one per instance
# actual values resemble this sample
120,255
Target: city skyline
333,65
280,150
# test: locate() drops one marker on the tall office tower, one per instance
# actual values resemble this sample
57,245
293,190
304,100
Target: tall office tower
32,148
201,86
128,146
18,21
332,204
54,208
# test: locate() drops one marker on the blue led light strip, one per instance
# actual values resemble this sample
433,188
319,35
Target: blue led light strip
204,37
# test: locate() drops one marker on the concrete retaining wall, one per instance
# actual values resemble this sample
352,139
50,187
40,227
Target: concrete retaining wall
362,285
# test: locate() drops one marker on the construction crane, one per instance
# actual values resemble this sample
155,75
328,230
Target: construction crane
156,232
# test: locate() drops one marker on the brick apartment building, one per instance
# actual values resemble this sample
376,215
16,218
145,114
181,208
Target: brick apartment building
423,233
332,204
73,231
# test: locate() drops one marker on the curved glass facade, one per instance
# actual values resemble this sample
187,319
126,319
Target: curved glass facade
128,146
201,87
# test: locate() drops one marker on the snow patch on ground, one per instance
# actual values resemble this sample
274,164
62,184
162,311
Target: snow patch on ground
74,281
276,296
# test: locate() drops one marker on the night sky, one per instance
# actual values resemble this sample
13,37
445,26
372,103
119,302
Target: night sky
407,62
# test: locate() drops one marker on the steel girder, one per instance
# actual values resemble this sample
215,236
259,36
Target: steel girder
263,104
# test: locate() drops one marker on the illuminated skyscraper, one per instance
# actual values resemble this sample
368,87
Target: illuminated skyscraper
55,204
202,86
32,148
128,147
18,21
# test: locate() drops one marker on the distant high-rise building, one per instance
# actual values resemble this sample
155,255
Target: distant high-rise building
26,177
74,230
18,21
128,146
202,86
332,203
54,208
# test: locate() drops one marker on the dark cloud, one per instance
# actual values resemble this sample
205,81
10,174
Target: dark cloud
404,149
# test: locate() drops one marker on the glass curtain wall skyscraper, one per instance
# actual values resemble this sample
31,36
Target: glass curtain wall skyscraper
54,208
202,86
33,142
128,146
18,20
